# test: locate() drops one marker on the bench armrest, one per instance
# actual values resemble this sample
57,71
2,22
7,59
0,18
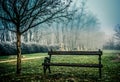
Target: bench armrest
46,60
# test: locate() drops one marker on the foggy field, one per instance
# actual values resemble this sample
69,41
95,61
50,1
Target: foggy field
31,28
32,70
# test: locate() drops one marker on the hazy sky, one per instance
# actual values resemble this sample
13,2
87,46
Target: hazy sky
107,11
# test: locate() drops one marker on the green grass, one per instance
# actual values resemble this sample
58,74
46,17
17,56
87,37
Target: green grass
111,51
32,70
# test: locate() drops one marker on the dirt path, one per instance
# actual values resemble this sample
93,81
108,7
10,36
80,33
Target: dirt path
117,59
13,60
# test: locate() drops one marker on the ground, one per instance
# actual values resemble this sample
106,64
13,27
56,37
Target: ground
32,70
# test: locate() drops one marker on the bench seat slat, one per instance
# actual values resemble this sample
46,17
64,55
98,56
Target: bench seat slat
73,65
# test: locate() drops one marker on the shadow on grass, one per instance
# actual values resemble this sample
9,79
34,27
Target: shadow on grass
32,72
56,77
109,75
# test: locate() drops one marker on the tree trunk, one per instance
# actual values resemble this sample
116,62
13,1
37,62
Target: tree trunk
18,71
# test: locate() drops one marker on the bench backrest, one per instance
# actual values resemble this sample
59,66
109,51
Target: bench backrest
99,52
92,53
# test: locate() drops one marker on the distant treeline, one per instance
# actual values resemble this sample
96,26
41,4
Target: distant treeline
9,48
81,33
112,46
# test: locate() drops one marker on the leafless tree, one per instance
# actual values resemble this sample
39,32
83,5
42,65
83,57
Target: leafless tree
117,35
117,32
22,15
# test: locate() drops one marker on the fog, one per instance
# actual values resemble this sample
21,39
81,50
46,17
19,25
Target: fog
86,30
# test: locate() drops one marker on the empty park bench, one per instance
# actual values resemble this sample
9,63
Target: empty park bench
47,61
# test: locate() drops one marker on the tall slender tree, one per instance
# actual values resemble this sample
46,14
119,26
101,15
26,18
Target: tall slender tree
117,32
117,35
22,15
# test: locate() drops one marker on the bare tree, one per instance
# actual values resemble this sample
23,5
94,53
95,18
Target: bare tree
117,32
22,15
117,35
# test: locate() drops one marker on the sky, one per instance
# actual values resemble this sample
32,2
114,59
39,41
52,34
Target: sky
108,13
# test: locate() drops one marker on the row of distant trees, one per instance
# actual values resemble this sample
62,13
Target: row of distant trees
114,42
81,32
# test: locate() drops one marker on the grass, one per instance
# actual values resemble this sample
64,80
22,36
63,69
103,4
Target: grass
32,70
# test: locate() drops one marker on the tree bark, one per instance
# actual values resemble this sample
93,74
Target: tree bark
18,71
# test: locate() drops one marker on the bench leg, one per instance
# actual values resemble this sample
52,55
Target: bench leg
49,69
100,75
44,68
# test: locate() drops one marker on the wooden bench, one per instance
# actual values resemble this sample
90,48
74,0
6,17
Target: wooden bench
47,61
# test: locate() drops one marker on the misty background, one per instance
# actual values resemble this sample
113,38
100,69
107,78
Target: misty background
107,11
90,28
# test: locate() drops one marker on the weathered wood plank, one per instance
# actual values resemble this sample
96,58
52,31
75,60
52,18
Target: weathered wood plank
74,53
46,65
74,65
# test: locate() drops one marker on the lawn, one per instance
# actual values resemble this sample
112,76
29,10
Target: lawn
32,70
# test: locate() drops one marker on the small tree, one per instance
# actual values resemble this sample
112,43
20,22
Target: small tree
22,15
117,35
117,32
